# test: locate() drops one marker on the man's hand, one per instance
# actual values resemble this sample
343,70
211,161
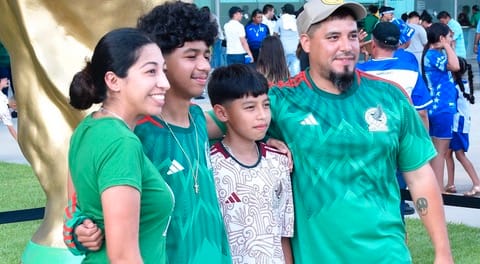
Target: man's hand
283,148
89,235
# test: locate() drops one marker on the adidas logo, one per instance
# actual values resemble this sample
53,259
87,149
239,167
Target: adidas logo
309,121
233,198
175,167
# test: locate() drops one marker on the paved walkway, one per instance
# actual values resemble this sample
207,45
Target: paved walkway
10,152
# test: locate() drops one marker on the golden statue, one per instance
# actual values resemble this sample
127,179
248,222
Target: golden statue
48,41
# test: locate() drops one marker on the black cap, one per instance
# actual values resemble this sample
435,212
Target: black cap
233,10
386,9
387,33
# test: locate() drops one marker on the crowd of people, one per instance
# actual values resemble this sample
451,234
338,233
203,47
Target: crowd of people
286,158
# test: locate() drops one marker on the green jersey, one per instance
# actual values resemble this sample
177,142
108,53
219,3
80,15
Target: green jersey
346,149
105,153
196,233
369,24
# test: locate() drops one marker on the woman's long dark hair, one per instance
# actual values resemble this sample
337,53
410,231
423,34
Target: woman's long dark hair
271,62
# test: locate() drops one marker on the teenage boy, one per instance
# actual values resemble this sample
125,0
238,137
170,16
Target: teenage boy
252,180
196,233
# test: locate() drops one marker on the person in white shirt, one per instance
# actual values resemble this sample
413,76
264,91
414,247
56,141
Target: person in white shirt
237,46
268,15
419,39
5,115
286,28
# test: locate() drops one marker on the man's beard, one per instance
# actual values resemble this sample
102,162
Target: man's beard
343,81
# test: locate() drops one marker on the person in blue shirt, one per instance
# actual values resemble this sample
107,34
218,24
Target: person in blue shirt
255,32
439,61
458,41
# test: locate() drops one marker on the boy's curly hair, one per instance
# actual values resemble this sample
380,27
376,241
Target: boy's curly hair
172,24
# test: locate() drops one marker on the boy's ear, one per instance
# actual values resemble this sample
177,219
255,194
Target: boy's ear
220,112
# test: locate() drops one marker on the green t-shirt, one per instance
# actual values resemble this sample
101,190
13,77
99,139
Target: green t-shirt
196,233
105,153
474,19
4,56
346,149
369,24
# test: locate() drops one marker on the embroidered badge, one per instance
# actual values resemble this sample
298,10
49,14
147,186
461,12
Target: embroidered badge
376,119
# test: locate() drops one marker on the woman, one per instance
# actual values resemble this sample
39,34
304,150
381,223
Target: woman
272,66
439,60
116,184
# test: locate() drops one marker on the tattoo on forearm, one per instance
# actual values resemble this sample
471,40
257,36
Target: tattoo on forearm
422,206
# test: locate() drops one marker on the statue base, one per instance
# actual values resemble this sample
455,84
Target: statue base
39,254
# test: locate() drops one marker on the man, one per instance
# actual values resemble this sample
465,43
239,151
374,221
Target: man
386,13
348,132
426,19
458,42
475,16
370,21
419,39
268,17
237,46
256,32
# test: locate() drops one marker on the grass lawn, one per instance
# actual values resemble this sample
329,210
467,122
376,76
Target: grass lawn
20,189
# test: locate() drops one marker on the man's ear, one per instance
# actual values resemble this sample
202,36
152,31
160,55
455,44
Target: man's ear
305,42
112,81
220,112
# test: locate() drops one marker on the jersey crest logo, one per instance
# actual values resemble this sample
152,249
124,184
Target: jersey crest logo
175,167
376,119
309,121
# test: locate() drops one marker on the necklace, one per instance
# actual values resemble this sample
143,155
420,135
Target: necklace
196,186
104,110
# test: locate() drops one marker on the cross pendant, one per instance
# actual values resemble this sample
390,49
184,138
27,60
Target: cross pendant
196,187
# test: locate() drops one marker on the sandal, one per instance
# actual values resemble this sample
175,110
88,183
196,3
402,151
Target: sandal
474,191
450,189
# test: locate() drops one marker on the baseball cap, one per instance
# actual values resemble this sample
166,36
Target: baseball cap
233,10
315,11
386,10
387,33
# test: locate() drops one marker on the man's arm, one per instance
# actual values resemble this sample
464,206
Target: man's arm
245,46
428,202
477,39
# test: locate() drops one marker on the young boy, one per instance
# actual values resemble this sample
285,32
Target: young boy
252,180
177,142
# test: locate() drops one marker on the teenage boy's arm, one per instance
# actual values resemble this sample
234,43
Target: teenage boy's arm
80,234
427,198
